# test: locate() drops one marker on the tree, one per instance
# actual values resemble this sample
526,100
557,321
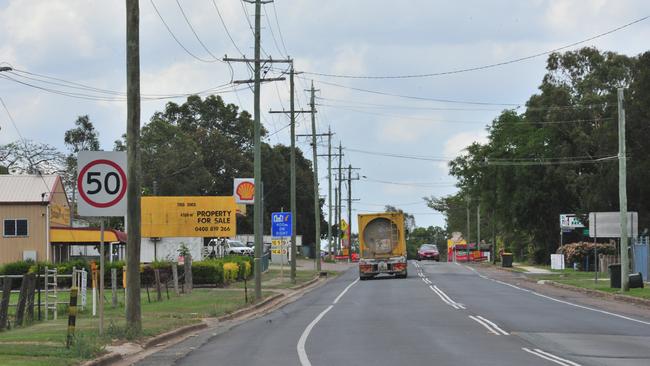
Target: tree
84,137
430,235
29,157
409,219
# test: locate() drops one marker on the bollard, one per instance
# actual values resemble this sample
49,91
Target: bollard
4,303
175,278
72,317
156,273
114,286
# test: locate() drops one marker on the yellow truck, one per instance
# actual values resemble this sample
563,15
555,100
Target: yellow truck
382,245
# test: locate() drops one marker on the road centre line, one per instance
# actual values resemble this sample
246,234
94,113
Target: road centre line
449,298
485,325
493,325
300,347
550,357
443,298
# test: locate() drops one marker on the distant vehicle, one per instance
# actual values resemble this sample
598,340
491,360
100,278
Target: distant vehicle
230,247
429,251
382,245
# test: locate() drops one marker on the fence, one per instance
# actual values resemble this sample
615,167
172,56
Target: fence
605,260
641,256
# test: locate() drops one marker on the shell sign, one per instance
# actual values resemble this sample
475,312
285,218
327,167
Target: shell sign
244,190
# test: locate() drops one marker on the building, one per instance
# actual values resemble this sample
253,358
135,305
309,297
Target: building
30,205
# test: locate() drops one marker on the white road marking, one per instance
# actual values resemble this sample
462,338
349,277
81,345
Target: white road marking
443,298
461,306
302,354
484,324
572,304
557,358
493,325
344,291
550,357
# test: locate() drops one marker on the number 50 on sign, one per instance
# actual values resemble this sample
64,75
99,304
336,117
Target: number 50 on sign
101,183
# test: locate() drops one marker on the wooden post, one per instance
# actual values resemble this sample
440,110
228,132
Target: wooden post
156,273
175,278
188,273
114,286
4,304
22,301
72,316
31,289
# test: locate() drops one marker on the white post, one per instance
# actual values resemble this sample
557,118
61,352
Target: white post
101,277
622,192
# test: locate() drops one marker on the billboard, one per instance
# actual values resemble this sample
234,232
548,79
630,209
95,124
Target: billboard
608,224
202,216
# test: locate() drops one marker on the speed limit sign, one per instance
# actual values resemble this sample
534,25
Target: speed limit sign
101,183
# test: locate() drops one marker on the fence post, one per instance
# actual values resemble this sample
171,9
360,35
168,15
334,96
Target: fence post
188,273
175,277
31,289
114,286
72,317
4,304
156,273
22,301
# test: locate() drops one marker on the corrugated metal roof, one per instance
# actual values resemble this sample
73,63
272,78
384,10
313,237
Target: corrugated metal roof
26,188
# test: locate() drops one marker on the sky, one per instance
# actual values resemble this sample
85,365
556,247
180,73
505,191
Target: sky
83,41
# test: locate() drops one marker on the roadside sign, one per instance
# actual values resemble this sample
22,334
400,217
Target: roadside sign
570,221
608,224
202,216
281,224
101,183
244,190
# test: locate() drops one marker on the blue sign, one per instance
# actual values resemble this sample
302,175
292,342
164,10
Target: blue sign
280,224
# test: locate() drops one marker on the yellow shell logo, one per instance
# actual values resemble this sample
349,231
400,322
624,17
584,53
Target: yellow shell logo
246,191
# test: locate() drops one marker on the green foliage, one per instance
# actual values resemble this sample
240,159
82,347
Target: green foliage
429,235
17,268
209,272
516,176
577,252
86,345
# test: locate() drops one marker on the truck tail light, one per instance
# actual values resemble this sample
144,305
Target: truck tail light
365,267
399,266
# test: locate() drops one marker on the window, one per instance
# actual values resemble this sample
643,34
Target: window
15,227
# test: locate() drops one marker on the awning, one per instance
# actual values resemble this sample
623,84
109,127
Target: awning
85,235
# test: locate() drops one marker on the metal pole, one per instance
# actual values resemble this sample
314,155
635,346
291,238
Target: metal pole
622,192
340,200
595,250
316,193
329,190
337,220
294,215
468,231
101,277
350,213
257,158
478,229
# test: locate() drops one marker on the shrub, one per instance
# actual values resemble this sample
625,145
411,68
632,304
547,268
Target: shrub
230,272
577,252
17,268
208,272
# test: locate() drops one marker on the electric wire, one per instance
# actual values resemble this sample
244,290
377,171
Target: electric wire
177,40
277,22
225,28
189,24
483,67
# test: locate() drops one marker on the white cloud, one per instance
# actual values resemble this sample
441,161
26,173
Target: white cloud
457,144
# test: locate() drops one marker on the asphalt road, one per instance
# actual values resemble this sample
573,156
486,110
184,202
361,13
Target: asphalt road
442,314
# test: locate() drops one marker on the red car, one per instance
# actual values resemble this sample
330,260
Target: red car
428,251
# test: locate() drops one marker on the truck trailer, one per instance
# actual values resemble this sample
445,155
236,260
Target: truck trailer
382,245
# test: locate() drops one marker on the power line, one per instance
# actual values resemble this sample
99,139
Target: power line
550,162
483,67
358,104
268,22
225,28
413,184
275,13
12,121
193,30
177,40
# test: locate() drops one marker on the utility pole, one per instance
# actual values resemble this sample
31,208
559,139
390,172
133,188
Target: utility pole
338,206
337,220
329,189
292,112
622,192
468,230
133,310
350,213
316,192
257,152
478,228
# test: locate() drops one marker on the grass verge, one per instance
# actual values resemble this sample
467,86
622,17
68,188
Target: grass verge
43,343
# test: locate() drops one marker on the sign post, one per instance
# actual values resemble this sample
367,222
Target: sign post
102,184
281,229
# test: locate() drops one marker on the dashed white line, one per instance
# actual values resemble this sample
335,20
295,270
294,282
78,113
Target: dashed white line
443,298
550,357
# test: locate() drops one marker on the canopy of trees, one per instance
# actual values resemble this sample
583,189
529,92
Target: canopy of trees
543,161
